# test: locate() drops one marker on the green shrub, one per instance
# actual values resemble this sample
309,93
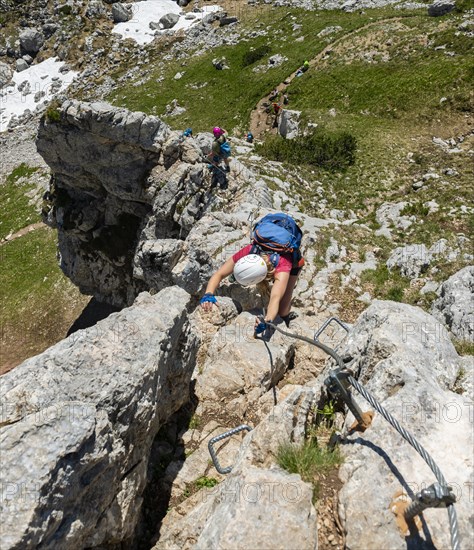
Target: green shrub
65,10
333,151
252,56
395,294
463,6
205,482
194,422
53,114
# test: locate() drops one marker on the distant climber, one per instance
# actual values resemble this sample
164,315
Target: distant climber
188,132
249,137
273,95
272,256
285,99
220,149
303,68
275,110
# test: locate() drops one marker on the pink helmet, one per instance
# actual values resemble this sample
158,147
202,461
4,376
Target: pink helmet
217,131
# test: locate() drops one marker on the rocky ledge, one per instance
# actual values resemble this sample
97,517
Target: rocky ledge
78,422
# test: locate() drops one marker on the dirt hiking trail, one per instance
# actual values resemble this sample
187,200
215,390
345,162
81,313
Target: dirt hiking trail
262,122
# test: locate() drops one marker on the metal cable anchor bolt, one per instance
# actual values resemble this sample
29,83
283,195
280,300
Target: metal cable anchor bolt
338,384
434,496
220,437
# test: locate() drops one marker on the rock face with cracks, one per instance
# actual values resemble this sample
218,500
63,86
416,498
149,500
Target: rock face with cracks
258,504
78,422
125,193
400,357
455,305
237,364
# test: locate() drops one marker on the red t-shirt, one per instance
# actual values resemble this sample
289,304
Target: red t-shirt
284,264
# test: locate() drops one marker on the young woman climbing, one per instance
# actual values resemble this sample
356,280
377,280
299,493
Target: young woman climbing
273,256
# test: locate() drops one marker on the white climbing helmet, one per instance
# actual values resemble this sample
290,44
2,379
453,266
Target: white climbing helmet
250,270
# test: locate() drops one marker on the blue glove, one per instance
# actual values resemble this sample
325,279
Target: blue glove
261,327
208,297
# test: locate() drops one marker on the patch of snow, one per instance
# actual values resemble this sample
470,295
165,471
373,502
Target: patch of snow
39,78
151,11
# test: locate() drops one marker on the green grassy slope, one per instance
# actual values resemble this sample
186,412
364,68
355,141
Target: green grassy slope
16,210
229,95
37,302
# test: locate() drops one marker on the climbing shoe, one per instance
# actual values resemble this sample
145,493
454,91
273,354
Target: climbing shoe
290,317
227,168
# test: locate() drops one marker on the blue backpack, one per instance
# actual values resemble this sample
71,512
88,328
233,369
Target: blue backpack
225,149
279,234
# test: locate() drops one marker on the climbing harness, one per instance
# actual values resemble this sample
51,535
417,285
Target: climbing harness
338,382
220,437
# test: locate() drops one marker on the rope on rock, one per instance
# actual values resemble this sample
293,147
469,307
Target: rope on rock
337,381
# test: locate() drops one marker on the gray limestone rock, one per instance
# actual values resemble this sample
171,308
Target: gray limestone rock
49,29
121,13
441,7
288,123
220,63
225,516
330,30
388,215
406,361
210,18
169,20
223,21
78,422
5,74
119,185
237,363
21,65
410,260
286,422
357,268
31,41
430,286
455,305
276,60
123,185
154,261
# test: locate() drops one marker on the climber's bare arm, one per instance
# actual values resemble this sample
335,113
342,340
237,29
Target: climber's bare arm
277,293
224,271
